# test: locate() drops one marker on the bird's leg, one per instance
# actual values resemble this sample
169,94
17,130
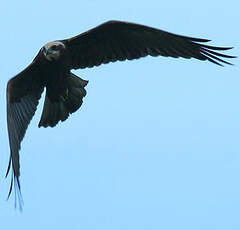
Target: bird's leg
64,97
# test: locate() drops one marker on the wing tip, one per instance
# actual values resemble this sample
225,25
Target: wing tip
15,183
18,200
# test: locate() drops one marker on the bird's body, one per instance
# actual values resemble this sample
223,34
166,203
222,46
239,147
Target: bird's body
51,69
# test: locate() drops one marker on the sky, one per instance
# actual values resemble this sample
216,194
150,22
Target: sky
155,144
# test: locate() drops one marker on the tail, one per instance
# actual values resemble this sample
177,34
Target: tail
66,104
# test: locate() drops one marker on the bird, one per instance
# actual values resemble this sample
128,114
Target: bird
51,69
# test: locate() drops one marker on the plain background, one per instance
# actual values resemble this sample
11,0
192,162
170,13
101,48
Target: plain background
155,144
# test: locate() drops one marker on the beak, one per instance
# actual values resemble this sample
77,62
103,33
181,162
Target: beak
46,51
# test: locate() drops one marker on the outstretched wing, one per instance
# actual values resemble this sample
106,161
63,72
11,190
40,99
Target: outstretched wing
23,93
115,40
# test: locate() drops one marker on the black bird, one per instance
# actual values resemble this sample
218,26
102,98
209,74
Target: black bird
51,68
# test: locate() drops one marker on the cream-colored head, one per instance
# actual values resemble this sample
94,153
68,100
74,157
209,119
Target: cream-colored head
52,50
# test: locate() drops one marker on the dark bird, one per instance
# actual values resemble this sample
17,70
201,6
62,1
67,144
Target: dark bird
51,68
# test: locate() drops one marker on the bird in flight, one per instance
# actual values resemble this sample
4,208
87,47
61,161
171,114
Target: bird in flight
51,69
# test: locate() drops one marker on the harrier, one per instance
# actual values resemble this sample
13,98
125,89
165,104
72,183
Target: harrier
51,68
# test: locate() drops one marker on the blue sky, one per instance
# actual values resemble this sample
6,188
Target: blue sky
155,144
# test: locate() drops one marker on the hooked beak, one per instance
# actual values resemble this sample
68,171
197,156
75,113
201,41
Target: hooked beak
47,51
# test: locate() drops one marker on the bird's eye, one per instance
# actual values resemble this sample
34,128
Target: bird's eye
54,47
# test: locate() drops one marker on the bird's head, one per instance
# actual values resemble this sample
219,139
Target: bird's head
53,50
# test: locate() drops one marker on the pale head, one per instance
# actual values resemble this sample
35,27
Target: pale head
52,50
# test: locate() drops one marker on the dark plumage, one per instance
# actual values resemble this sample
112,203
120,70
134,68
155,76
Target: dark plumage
109,42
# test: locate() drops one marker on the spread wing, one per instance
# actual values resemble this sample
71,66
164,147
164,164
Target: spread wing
115,40
23,93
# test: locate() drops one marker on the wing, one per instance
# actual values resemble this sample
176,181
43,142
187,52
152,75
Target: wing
23,93
115,40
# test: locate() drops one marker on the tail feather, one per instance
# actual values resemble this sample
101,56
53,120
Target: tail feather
76,81
67,103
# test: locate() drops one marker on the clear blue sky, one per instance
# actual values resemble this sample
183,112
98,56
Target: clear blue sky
156,144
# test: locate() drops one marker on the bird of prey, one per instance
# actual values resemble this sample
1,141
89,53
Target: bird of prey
51,69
